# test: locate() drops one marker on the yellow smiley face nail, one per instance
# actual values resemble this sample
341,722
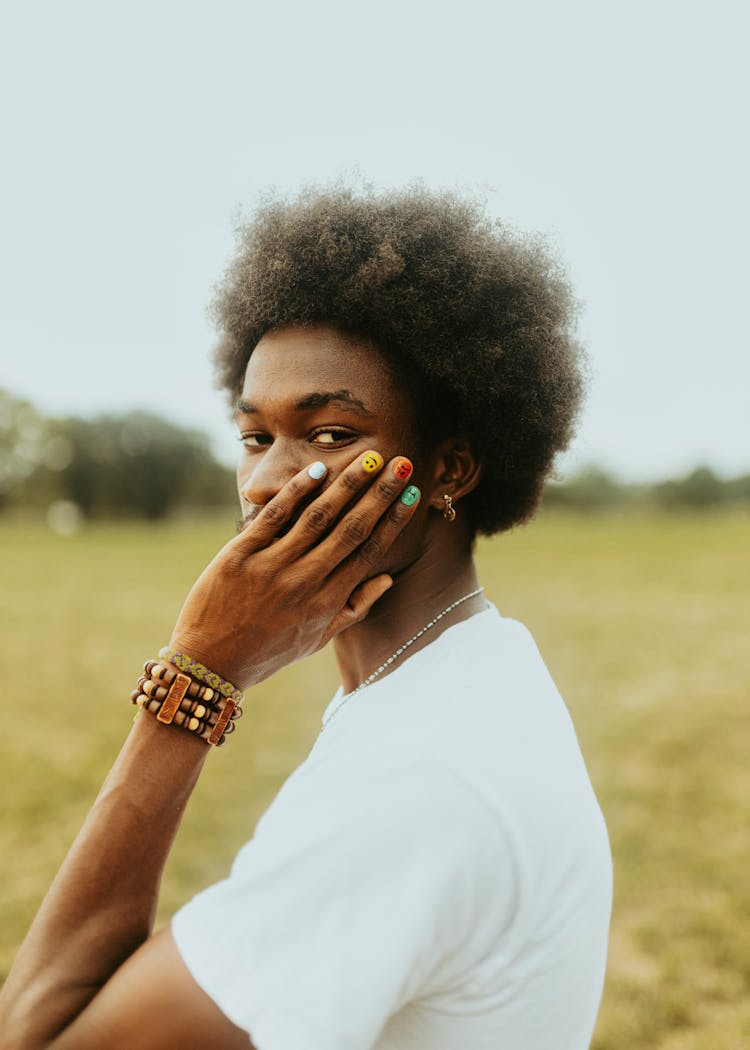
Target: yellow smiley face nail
371,461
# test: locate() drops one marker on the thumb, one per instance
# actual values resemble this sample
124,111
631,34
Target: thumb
361,600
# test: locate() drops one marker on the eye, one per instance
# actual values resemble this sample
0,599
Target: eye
332,436
255,439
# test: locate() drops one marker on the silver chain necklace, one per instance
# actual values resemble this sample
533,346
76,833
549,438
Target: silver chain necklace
399,652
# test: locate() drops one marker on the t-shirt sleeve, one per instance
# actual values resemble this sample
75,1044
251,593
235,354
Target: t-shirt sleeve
357,894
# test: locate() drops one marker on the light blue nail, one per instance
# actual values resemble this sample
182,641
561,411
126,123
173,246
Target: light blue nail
317,470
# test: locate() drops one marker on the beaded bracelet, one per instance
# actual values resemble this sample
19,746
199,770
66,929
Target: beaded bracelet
197,705
166,672
175,698
211,732
201,673
213,726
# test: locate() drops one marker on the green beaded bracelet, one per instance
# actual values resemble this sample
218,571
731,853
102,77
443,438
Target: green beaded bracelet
201,673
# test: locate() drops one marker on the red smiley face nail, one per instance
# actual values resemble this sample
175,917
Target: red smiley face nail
402,468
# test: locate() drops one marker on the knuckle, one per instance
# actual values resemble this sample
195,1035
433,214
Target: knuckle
355,531
317,519
274,513
351,482
372,552
296,488
296,592
386,489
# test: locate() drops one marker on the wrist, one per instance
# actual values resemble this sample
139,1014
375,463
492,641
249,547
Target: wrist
182,692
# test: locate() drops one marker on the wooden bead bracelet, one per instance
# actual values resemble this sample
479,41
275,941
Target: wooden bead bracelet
178,699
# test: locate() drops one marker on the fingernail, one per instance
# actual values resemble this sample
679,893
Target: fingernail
410,495
371,461
402,468
317,470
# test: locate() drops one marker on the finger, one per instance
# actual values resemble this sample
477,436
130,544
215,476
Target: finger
323,514
361,600
370,555
261,528
354,532
372,486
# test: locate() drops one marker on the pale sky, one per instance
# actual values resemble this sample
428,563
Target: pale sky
133,133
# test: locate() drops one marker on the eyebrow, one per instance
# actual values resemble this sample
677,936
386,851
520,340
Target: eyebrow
342,399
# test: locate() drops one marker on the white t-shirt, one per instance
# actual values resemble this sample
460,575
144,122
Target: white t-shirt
435,876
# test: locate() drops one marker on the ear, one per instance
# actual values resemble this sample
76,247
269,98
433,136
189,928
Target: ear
456,471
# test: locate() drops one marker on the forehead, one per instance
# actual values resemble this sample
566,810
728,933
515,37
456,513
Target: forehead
291,363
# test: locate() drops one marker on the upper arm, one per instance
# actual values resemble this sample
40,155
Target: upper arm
362,890
154,1003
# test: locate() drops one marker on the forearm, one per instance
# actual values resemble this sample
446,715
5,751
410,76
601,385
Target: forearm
101,906
264,601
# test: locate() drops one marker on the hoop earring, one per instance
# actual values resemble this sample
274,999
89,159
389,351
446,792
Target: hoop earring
449,512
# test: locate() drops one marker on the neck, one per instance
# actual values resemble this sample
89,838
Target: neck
419,593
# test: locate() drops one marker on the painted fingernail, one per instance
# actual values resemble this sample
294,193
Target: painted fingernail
402,468
410,495
317,470
371,461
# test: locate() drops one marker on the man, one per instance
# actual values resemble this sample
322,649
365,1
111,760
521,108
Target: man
437,873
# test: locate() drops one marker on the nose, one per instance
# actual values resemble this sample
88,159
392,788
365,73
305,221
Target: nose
260,476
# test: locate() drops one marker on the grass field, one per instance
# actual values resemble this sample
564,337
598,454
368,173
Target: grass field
644,623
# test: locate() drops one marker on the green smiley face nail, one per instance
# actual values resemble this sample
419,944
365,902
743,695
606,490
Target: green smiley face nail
410,495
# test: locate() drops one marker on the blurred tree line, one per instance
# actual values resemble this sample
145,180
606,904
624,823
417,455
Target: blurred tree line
139,465
136,464
593,488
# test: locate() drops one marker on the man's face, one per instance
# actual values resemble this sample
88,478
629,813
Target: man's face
316,394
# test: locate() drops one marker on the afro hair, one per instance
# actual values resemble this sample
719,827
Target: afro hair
479,317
